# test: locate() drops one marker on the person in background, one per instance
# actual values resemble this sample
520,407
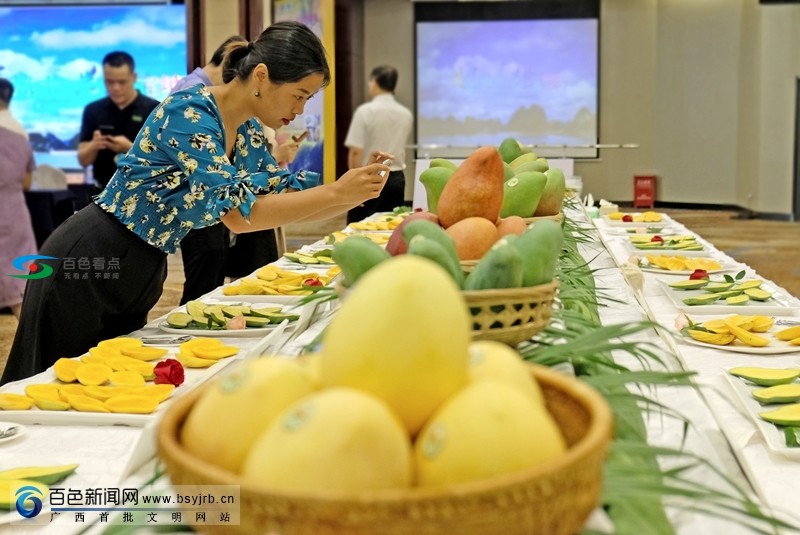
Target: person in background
381,122
200,158
205,251
7,120
110,124
16,232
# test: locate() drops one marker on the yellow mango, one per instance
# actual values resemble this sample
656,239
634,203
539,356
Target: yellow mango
132,404
719,339
145,369
190,361
103,393
15,402
47,404
64,369
144,353
214,353
43,390
158,392
87,404
92,374
762,324
126,378
64,391
789,333
746,337
120,343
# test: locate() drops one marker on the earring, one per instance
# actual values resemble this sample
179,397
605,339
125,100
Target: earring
258,95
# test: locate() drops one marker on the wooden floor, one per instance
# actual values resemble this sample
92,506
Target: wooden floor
772,248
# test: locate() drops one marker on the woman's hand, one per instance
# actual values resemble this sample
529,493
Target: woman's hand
362,183
378,156
286,153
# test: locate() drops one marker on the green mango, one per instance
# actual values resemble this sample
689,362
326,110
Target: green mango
443,162
48,475
509,149
522,193
434,179
553,194
508,172
521,160
540,247
539,164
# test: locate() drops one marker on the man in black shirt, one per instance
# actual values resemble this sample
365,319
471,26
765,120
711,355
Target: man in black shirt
110,124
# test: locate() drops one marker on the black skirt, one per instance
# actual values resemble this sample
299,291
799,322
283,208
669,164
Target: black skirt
105,280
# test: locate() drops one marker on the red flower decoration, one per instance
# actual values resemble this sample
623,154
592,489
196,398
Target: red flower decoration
657,239
169,371
698,274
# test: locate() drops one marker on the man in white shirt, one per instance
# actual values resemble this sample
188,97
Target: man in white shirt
6,119
385,124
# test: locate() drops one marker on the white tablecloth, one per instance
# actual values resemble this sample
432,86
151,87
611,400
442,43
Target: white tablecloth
123,456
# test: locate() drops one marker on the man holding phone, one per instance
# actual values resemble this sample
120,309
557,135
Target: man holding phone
110,124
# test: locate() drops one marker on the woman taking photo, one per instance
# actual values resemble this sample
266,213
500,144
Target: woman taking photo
200,158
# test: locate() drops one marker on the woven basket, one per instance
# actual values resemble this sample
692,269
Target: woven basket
510,315
554,499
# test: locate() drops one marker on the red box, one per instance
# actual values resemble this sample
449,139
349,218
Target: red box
644,191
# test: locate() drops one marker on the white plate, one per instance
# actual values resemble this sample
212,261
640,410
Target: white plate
778,305
686,272
772,434
6,425
221,333
775,347
193,378
665,220
227,333
705,251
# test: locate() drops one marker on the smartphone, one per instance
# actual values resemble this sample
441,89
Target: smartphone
106,129
385,162
301,137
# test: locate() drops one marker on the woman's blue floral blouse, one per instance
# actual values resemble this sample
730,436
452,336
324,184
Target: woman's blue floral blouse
177,177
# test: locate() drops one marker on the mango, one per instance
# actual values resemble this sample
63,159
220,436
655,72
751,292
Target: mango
64,369
434,180
509,149
131,404
120,342
397,243
496,360
413,374
443,162
766,376
540,247
144,353
511,225
553,194
47,475
339,439
473,236
539,165
522,159
235,409
474,190
521,194
488,428
508,172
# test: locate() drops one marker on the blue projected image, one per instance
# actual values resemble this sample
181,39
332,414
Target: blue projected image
479,82
53,55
